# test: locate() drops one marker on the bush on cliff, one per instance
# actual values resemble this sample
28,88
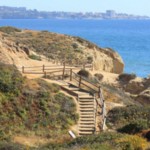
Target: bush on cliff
35,57
126,77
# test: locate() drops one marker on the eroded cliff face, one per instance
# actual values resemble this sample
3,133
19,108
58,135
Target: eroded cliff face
104,59
13,53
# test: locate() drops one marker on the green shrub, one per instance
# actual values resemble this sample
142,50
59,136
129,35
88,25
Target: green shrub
134,127
84,73
90,58
81,40
44,31
122,115
75,46
99,76
79,51
35,57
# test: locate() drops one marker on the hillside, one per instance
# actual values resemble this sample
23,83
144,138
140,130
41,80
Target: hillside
33,107
58,46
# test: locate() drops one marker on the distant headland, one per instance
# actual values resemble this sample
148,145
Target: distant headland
7,12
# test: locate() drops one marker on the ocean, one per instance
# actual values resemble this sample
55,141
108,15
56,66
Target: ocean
130,38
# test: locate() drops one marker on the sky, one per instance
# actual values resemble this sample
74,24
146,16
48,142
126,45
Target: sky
136,7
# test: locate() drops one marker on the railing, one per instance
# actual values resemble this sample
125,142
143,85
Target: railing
83,81
64,67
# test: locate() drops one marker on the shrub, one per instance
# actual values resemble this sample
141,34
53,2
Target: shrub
134,127
75,46
122,115
126,77
35,57
79,51
44,31
81,40
84,73
99,76
90,58
132,142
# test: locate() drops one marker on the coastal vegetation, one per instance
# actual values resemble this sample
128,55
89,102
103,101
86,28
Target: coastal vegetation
52,45
33,107
103,141
129,119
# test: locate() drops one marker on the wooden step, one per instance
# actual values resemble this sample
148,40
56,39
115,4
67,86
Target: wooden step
86,109
86,126
86,103
86,100
86,129
86,119
73,89
82,93
86,122
87,113
86,97
86,133
86,106
87,116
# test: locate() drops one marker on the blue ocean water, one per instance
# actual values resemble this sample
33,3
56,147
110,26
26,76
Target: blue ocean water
130,38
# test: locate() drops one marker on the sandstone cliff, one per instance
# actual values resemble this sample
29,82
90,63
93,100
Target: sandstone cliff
74,49
104,59
13,53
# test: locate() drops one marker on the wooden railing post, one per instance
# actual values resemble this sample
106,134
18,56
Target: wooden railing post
99,91
84,66
80,81
43,68
22,69
63,72
70,74
45,74
95,113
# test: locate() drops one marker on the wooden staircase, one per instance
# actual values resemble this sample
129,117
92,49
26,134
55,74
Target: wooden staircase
87,122
86,108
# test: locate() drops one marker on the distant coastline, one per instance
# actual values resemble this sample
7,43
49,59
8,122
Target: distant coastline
7,12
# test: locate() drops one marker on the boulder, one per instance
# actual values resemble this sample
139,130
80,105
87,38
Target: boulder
144,97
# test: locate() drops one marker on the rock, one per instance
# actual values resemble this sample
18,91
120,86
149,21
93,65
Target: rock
145,134
134,87
106,59
144,97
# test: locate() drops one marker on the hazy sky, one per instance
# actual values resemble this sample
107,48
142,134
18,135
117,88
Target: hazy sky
137,7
